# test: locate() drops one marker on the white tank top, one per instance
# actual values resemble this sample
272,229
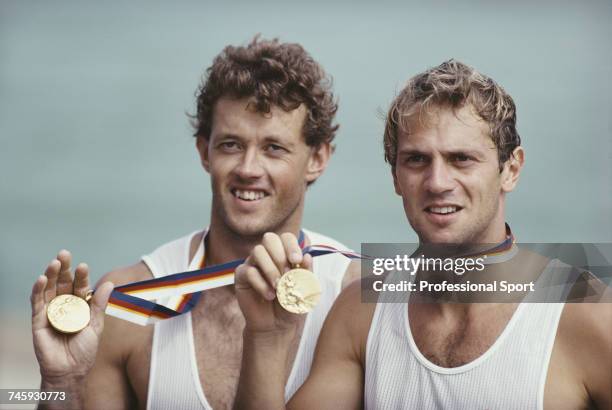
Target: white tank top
511,374
174,382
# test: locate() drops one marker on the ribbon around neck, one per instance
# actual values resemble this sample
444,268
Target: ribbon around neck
138,302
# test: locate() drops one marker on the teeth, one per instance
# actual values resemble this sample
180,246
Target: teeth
443,209
249,195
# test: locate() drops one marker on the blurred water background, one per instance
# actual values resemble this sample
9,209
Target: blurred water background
96,153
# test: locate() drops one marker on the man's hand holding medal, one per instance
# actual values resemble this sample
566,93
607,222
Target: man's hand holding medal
67,321
276,269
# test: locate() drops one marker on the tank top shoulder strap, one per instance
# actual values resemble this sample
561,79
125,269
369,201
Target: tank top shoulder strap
171,257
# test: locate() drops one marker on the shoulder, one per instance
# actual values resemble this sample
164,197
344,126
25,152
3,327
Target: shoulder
590,309
588,324
173,256
353,314
141,271
352,273
588,319
121,338
588,288
320,239
128,274
179,243
584,332
351,298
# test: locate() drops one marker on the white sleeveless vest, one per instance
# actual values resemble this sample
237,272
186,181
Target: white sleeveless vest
511,374
174,382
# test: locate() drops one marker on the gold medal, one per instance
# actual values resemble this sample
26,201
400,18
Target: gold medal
68,313
298,291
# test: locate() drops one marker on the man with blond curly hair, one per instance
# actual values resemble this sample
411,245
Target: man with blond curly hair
455,154
264,129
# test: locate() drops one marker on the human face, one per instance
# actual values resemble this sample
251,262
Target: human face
259,166
447,173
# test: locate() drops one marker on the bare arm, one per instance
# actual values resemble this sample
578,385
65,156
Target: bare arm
584,339
269,329
596,335
263,372
599,381
108,385
353,272
337,374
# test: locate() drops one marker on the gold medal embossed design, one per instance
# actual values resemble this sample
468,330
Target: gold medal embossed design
68,313
298,291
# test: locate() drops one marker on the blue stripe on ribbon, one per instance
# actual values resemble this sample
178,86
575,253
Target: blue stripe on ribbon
195,297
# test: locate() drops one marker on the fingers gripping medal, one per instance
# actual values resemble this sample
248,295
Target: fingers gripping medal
69,313
298,290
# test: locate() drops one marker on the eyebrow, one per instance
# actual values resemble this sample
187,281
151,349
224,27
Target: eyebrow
274,139
228,136
277,139
411,151
470,152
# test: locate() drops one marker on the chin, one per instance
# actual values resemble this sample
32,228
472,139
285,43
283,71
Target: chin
443,236
246,229
246,226
439,240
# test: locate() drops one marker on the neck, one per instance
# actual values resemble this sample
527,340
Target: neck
498,235
494,237
224,245
498,232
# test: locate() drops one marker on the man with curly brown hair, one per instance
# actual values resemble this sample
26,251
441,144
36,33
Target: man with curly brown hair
455,154
264,128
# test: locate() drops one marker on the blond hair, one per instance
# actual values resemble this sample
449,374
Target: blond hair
454,84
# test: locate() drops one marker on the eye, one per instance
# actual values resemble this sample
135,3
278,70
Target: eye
415,159
275,148
229,146
461,159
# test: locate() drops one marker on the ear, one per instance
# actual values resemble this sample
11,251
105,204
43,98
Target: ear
317,161
202,147
512,169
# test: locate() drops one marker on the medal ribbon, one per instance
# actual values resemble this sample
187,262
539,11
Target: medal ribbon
137,302
501,252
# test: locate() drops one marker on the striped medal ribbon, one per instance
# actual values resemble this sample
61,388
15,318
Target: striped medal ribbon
501,252
151,300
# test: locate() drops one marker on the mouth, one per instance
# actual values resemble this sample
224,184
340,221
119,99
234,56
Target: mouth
443,210
249,195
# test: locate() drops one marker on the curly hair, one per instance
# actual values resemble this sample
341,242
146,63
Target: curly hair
273,73
454,84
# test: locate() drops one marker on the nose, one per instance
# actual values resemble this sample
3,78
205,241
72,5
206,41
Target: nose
250,166
439,178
